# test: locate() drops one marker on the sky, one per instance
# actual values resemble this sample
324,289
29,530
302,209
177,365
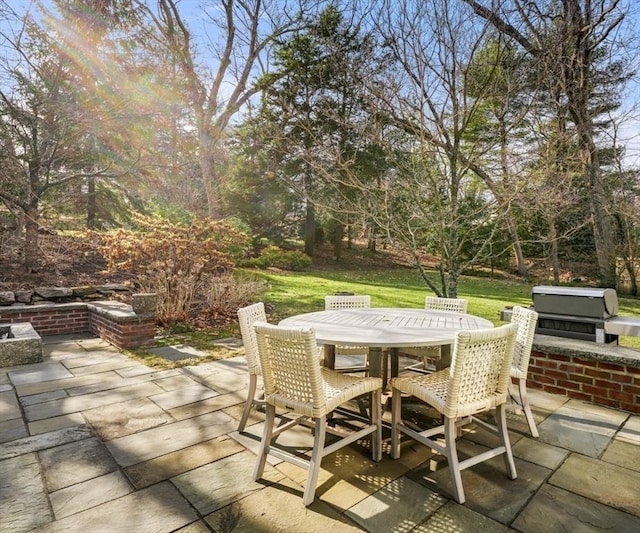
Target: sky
629,130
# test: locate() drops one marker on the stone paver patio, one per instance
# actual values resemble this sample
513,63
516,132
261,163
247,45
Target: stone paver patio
91,440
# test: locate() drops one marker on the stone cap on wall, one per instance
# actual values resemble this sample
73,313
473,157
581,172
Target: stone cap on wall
62,294
116,311
594,351
22,347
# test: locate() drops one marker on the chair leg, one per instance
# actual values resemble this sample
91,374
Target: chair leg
253,385
526,407
396,420
394,355
376,419
320,430
267,436
503,433
450,434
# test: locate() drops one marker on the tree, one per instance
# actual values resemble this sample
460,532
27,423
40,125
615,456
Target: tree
496,77
443,205
217,86
571,42
309,118
253,192
43,136
108,77
68,119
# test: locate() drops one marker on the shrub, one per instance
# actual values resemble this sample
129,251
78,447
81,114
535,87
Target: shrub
225,294
172,260
272,256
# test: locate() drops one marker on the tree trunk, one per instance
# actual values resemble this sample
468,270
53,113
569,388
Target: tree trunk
519,257
91,202
633,279
310,230
553,253
31,244
517,247
579,82
208,176
337,240
20,222
372,241
603,234
627,252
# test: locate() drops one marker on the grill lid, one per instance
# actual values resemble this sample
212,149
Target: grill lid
577,301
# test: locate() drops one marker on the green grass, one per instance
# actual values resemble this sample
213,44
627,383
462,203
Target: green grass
294,293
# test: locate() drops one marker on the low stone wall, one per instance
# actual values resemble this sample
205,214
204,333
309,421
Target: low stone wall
85,293
603,374
113,321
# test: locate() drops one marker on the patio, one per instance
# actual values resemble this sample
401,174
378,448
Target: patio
91,440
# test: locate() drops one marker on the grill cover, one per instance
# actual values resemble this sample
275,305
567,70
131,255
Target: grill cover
575,301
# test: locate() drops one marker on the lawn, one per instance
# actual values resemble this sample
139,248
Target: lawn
293,293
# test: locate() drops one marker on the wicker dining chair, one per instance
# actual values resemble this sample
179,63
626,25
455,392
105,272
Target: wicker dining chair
457,305
476,382
526,319
247,316
350,301
432,355
295,381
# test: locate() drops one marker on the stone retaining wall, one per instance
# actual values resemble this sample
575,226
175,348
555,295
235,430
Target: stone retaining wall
85,293
113,321
600,373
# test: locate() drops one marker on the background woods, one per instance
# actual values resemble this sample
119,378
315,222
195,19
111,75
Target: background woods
466,134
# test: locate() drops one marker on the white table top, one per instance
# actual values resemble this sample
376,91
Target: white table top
386,327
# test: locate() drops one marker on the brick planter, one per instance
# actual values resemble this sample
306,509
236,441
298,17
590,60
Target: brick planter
113,321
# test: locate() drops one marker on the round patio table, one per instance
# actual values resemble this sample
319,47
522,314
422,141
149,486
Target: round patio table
390,328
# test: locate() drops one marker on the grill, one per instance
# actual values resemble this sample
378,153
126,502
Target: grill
581,313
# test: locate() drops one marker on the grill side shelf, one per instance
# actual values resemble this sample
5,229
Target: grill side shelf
623,325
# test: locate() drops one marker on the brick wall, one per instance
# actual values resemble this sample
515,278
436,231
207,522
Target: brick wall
72,318
129,334
592,373
114,322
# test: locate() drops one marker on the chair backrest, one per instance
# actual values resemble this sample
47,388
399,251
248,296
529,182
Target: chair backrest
291,370
346,301
526,319
247,316
459,305
480,370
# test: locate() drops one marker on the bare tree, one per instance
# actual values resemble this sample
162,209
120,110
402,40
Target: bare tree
220,79
568,39
627,216
450,198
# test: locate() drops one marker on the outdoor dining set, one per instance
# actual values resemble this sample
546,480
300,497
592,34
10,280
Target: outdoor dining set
461,366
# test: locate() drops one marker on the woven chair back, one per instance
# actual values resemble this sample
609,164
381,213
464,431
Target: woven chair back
458,305
247,317
480,370
291,368
526,319
351,301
